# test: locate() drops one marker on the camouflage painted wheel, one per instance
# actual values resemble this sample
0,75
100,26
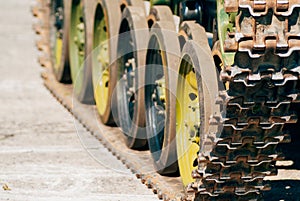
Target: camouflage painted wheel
196,91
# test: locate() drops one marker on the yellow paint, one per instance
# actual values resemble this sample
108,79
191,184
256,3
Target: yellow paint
101,92
186,119
101,58
58,52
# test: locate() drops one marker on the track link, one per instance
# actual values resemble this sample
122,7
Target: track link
263,83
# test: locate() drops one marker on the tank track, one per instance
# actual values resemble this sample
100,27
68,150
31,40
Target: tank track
263,84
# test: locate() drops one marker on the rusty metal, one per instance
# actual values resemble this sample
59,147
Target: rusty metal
258,108
261,7
262,85
275,28
166,188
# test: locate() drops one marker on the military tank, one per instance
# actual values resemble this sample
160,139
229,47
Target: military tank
210,87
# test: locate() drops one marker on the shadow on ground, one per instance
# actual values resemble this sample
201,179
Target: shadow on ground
284,190
291,150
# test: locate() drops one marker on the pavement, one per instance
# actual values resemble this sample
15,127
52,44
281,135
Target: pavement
41,155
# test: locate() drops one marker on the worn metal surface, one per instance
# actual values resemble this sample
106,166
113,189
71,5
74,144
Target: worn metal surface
41,155
139,162
263,85
170,188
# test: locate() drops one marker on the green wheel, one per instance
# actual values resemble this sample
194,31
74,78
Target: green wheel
162,63
196,92
132,44
59,27
77,41
79,50
105,32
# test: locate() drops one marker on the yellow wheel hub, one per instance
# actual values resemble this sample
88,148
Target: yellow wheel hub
58,52
187,131
101,59
101,85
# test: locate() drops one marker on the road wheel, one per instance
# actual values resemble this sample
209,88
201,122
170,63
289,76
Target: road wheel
104,56
134,3
160,89
195,98
159,13
59,28
132,44
79,50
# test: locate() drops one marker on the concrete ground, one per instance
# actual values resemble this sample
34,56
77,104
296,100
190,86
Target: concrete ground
41,156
